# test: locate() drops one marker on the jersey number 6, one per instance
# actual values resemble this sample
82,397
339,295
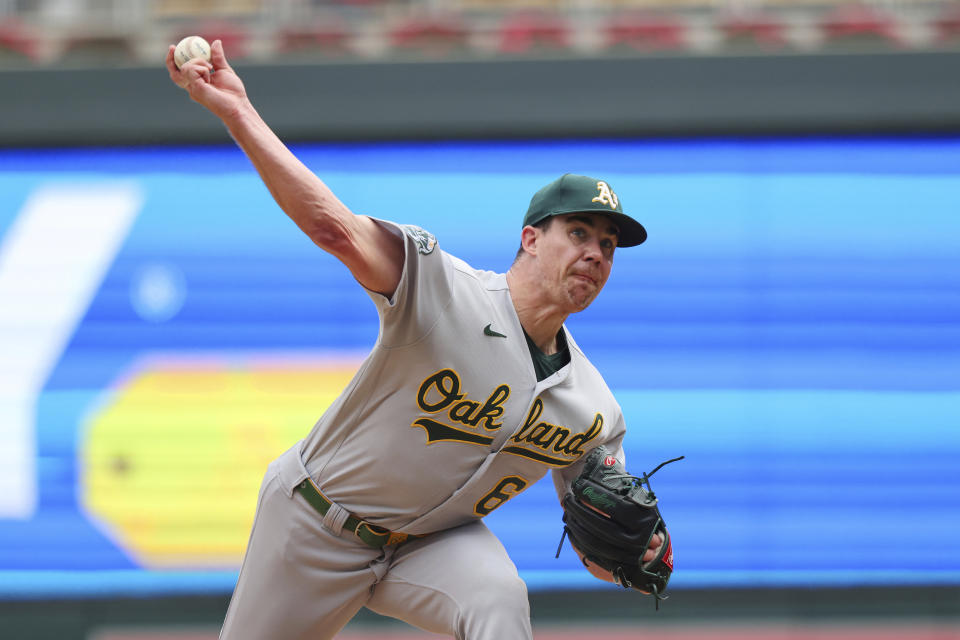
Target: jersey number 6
505,489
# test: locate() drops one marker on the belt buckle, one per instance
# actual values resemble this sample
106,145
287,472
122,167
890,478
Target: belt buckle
381,532
397,538
372,528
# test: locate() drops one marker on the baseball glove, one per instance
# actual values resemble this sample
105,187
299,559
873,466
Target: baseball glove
611,518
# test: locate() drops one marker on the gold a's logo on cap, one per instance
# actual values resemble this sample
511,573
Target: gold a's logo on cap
606,195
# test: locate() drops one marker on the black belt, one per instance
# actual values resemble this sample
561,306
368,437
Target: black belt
371,534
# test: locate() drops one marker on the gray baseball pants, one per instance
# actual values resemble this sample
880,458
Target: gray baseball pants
303,579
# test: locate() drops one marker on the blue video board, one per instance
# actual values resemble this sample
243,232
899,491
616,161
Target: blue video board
792,326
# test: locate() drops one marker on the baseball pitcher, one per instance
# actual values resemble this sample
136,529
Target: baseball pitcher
473,391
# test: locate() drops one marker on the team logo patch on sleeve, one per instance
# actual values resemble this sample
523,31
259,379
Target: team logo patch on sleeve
426,242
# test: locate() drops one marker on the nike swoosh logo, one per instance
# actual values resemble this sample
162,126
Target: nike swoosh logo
487,331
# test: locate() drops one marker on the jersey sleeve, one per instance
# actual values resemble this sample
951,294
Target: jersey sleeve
424,291
563,478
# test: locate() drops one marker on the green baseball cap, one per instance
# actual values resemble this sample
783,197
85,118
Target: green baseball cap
571,193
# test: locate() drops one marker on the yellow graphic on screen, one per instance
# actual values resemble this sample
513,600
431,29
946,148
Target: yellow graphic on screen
173,461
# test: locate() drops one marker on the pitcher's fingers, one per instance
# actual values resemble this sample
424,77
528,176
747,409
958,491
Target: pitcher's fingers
217,56
171,65
178,76
655,543
199,70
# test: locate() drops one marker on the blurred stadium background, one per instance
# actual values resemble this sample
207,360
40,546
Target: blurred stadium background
121,32
792,326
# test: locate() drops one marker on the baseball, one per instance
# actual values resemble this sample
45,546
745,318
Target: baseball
189,48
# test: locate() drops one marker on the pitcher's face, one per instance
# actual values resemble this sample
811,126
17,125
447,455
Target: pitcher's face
575,253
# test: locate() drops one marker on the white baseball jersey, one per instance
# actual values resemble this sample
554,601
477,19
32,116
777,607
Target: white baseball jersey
445,420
